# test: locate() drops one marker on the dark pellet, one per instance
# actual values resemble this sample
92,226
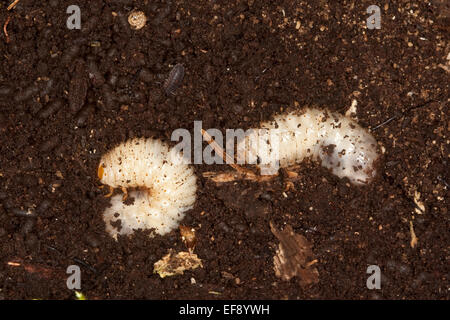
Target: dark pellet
32,241
240,227
83,115
69,54
123,29
78,87
95,76
3,122
137,59
112,79
47,87
90,25
8,204
52,108
174,80
50,144
92,240
27,93
146,76
111,53
266,196
163,13
123,98
41,68
139,96
123,82
108,97
5,91
222,225
43,206
28,226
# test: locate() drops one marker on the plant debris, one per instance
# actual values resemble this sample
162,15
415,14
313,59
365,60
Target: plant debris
414,238
294,257
5,31
13,4
171,265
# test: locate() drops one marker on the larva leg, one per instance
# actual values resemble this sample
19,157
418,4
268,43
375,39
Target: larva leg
111,191
125,193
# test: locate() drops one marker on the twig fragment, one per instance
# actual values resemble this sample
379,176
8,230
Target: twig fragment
12,5
241,173
5,31
238,174
414,238
222,153
42,271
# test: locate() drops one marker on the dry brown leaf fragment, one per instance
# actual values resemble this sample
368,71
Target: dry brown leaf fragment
171,265
294,257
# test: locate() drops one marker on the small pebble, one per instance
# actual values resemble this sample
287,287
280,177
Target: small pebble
137,19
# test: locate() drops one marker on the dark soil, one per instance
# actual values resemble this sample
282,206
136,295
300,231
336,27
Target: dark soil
68,96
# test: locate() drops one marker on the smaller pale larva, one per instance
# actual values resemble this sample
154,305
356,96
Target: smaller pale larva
341,145
163,186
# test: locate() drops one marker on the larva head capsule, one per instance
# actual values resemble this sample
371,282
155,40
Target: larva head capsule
104,174
100,171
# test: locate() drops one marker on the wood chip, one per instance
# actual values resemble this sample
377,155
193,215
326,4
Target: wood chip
171,265
294,257
414,239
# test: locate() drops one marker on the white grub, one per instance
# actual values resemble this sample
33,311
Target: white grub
337,141
163,186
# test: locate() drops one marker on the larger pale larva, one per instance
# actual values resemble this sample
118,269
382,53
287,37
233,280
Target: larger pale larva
163,186
337,141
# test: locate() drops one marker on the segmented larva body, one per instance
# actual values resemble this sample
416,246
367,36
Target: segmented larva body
163,186
341,145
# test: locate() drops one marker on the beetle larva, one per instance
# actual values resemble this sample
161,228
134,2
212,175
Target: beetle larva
163,186
174,80
337,141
